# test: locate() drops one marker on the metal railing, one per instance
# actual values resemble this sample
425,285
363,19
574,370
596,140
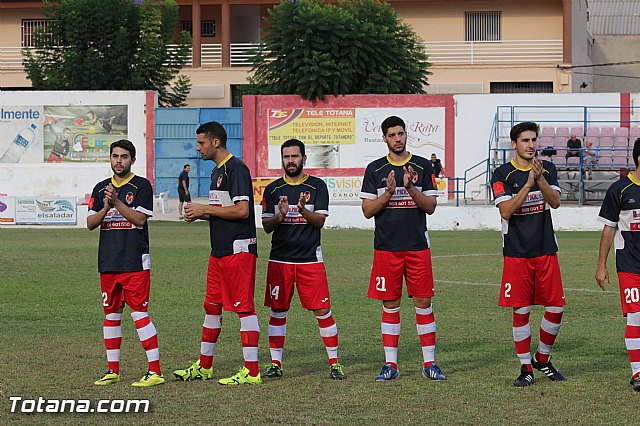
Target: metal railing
503,51
440,52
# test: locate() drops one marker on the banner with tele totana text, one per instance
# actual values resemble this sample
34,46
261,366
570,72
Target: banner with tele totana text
338,138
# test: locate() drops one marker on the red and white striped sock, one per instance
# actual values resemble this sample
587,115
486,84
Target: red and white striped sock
391,335
112,332
149,338
249,337
277,334
210,332
632,341
549,328
426,325
329,334
522,335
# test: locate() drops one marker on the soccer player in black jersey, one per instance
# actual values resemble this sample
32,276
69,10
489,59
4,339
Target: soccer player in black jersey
620,214
120,206
294,208
524,190
231,275
399,190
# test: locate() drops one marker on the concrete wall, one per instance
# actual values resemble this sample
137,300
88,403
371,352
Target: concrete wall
73,179
616,48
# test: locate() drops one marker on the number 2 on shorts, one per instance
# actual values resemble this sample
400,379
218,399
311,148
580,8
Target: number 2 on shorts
507,289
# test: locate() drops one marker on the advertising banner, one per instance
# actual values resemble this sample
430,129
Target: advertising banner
53,134
46,211
7,210
343,138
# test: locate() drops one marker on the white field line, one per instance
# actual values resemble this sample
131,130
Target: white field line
582,290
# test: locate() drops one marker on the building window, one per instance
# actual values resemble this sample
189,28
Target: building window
207,28
29,27
521,87
482,26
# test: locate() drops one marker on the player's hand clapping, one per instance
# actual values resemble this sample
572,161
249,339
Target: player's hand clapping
537,168
283,205
110,196
391,182
407,177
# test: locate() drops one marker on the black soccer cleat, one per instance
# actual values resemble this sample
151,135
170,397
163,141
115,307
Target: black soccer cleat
548,369
525,378
635,383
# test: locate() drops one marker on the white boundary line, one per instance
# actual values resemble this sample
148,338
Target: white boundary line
583,290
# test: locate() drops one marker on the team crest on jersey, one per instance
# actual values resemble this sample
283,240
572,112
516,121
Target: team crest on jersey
307,196
414,177
219,181
129,198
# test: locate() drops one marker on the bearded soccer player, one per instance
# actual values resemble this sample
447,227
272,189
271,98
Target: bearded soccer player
524,191
231,274
120,206
399,190
620,214
296,256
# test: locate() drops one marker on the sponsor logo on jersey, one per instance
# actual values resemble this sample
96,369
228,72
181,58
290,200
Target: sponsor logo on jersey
634,226
3,206
307,196
498,188
219,181
636,214
129,198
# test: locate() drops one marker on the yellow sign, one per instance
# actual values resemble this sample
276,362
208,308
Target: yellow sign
259,184
313,126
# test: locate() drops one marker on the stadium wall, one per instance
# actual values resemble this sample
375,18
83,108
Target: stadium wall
33,175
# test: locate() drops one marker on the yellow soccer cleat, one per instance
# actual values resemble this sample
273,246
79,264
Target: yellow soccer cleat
242,377
149,379
195,372
109,377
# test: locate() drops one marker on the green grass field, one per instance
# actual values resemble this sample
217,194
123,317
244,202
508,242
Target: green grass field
51,338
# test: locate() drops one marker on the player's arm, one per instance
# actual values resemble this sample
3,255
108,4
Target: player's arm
373,206
96,219
136,217
606,239
184,185
269,224
426,203
508,207
551,196
313,218
239,210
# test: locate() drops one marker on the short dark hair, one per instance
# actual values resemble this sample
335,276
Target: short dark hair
213,130
517,130
124,144
185,166
636,151
392,121
290,143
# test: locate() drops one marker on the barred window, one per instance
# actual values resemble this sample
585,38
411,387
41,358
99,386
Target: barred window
482,26
207,28
29,27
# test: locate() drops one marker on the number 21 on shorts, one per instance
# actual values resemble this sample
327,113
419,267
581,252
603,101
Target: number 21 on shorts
381,284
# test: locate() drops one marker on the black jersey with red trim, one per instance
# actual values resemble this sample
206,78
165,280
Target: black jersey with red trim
401,225
621,210
529,231
123,246
230,183
295,240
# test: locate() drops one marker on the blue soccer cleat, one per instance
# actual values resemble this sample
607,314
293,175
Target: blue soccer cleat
387,373
433,373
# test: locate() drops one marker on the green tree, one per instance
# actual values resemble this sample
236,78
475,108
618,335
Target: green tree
314,49
115,45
